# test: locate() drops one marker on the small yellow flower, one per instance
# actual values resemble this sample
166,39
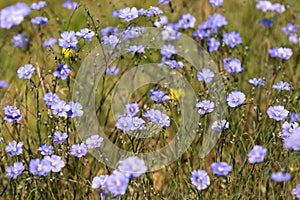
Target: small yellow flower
176,93
68,52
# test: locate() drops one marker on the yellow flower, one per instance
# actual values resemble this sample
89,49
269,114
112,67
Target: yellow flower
68,52
176,93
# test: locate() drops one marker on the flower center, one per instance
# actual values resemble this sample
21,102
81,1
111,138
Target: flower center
119,183
199,180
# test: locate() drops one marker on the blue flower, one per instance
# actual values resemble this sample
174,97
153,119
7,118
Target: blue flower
75,109
56,163
51,98
26,71
293,141
266,22
216,22
132,167
215,3
257,154
173,64
200,179
256,82
163,2
13,15
151,12
205,106
70,5
137,123
46,150
280,176
128,14
39,167
186,21
213,44
86,34
220,125
232,39
39,5
14,148
281,52
158,95
117,183
49,43
79,150
113,70
99,181
167,51
20,40
94,141
62,71
60,108
281,86
68,40
39,20
233,65
124,122
132,108
59,137
132,32
109,30
293,38
3,84
135,49
277,7
11,114
206,75
157,117
170,33
13,171
288,129
277,112
235,98
264,6
290,28
221,168
163,20
296,191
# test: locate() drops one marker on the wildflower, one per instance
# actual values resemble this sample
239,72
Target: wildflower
233,65
26,71
13,171
79,150
289,128
50,98
62,71
135,49
59,137
124,122
128,14
220,125
3,84
94,141
206,75
232,39
132,167
151,12
14,148
46,150
293,38
167,51
75,109
216,22
99,181
205,106
281,86
200,179
293,141
173,64
215,3
277,112
113,70
213,44
277,7
11,114
170,33
163,2
39,20
264,6
256,82
157,117
20,40
294,117
39,5
13,15
39,167
132,32
266,22
296,191
257,154
68,40
137,123
117,183
221,168
280,176
290,28
132,108
70,5
281,52
49,43
60,108
163,20
109,30
86,34
186,21
235,98
56,163
158,95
